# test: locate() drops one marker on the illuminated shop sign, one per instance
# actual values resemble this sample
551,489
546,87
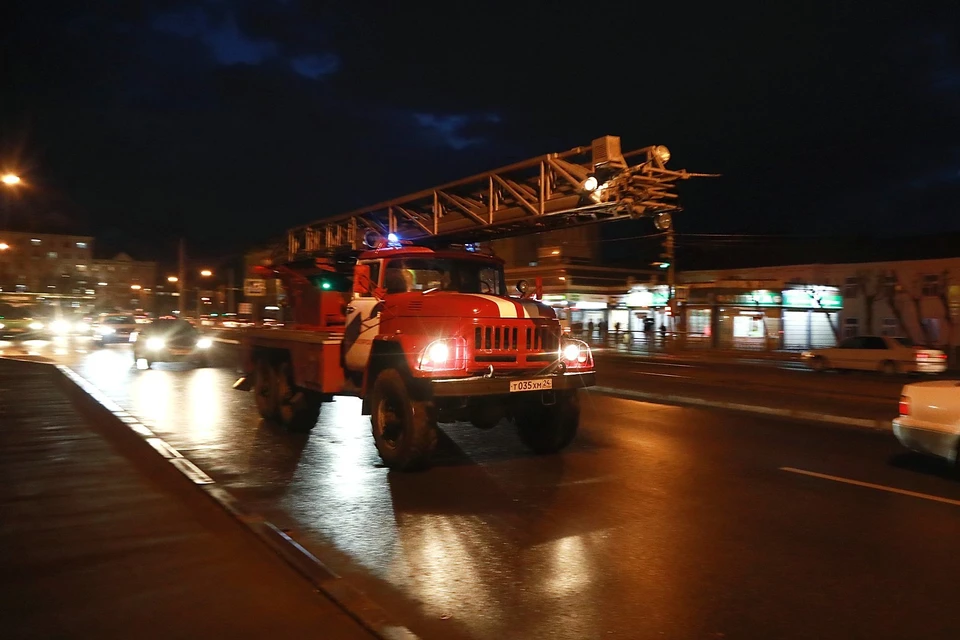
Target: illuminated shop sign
814,297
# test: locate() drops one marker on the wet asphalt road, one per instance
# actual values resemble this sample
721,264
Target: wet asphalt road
658,522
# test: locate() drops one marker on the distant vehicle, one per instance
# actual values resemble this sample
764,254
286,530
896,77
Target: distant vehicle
170,341
877,353
929,420
19,322
115,327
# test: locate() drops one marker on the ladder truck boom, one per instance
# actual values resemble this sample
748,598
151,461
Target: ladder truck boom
583,185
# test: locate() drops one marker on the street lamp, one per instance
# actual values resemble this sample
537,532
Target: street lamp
10,179
206,273
135,287
173,279
4,246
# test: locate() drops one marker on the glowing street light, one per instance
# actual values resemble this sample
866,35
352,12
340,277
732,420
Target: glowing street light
135,287
10,179
173,279
4,246
206,273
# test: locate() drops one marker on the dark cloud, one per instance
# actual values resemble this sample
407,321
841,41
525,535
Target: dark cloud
232,120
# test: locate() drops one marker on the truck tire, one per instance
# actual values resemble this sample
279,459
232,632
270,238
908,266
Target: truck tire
265,390
297,409
404,428
548,428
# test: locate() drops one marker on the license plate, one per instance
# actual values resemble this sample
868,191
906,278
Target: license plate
531,385
179,352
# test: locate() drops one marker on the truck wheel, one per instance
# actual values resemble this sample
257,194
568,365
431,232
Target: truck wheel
265,390
548,428
404,429
297,409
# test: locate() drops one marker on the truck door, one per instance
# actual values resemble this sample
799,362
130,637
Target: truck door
363,322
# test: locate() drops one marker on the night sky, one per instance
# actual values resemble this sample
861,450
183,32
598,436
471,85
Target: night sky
229,121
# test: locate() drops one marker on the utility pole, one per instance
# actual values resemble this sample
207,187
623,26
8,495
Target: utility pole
231,292
182,276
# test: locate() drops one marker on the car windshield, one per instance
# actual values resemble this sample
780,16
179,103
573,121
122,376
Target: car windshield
119,320
906,342
426,274
171,327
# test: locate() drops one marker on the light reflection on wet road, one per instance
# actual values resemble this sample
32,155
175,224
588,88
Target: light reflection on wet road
658,521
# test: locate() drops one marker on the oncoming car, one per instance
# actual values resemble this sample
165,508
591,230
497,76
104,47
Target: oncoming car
170,341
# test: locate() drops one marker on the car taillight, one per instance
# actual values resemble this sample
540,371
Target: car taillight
922,356
904,405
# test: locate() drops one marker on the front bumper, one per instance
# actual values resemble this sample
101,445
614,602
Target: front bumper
500,386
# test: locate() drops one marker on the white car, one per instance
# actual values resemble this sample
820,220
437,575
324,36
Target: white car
929,420
877,353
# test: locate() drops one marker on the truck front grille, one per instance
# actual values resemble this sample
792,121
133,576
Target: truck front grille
505,338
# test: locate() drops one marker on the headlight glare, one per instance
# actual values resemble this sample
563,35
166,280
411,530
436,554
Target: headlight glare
204,343
155,343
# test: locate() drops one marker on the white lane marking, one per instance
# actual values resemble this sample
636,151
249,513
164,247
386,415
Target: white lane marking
870,485
662,375
507,308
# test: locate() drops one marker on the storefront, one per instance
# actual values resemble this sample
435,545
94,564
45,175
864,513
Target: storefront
799,317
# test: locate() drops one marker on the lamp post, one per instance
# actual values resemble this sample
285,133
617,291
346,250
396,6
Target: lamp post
204,273
10,181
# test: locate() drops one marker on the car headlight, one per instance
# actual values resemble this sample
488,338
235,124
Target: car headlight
36,326
571,352
204,343
60,326
2,326
105,331
156,343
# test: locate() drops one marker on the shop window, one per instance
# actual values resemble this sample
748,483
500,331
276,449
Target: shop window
889,327
851,327
81,245
851,288
748,326
931,285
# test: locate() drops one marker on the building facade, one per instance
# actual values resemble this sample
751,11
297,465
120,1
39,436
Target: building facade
918,299
60,270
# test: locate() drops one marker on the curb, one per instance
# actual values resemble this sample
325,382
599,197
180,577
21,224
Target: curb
352,601
795,414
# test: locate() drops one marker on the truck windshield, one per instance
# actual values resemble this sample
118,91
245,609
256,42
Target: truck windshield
425,274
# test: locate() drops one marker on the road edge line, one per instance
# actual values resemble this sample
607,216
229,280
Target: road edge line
793,414
357,605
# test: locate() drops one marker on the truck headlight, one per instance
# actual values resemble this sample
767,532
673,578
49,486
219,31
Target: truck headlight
204,343
576,355
156,344
447,354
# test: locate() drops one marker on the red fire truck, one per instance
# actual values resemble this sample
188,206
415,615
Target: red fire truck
401,305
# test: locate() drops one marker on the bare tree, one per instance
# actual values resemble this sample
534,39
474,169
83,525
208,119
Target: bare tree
895,290
817,297
870,286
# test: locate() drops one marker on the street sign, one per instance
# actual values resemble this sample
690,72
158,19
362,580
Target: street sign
254,287
245,308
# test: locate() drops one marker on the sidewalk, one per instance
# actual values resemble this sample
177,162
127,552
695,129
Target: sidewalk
99,539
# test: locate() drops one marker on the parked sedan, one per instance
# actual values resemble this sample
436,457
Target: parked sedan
170,341
877,353
929,420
